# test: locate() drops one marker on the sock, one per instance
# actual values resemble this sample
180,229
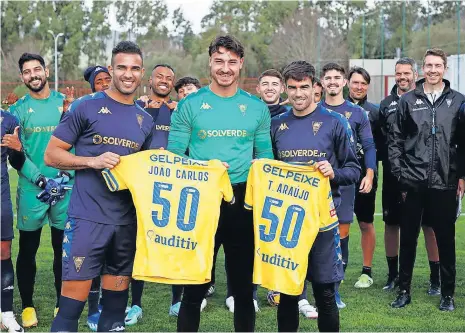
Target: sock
255,297
176,293
137,287
68,316
345,252
94,295
393,266
8,281
26,265
434,275
114,305
328,313
288,313
366,270
57,244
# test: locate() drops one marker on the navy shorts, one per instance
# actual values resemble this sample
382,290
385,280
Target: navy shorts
365,203
325,259
7,221
345,211
92,249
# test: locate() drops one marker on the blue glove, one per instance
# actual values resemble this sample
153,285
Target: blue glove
54,189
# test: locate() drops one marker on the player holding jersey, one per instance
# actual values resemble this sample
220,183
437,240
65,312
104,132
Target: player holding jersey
311,132
38,112
100,233
223,122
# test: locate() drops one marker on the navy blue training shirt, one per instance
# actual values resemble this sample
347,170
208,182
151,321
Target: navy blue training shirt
96,124
9,122
162,122
320,135
361,130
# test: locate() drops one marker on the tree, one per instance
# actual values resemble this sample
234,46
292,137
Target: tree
96,32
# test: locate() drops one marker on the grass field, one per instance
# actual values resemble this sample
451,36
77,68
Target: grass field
367,310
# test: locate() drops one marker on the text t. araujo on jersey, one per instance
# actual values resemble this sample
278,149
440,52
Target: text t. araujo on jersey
178,206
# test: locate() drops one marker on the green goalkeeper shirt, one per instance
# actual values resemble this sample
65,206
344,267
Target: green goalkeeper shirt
232,129
38,118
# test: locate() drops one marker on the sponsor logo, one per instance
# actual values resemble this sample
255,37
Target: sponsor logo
68,225
316,125
203,134
283,127
65,239
162,128
78,261
64,255
140,119
9,288
419,109
104,110
393,103
39,129
205,106
98,69
30,110
111,140
419,102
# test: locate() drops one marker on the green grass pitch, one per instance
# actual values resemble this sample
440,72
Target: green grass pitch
367,310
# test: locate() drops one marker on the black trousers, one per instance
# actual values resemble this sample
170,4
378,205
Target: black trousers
438,207
235,233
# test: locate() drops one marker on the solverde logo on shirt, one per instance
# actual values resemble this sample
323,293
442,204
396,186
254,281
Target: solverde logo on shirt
39,129
111,140
237,133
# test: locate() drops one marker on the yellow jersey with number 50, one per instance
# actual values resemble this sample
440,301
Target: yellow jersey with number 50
291,204
178,206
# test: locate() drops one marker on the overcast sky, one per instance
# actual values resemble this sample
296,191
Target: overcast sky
194,10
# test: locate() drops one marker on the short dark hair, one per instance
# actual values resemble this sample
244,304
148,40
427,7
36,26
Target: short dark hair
163,65
126,46
408,61
271,72
184,81
25,57
438,53
359,70
332,66
299,71
229,42
317,83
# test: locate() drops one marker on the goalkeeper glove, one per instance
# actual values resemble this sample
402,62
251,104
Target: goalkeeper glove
53,190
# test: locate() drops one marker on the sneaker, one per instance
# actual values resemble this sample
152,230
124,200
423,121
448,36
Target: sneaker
174,309
364,281
230,303
307,310
55,312
29,317
391,283
211,290
92,321
128,308
9,322
203,305
339,302
447,303
434,289
133,316
403,298
255,305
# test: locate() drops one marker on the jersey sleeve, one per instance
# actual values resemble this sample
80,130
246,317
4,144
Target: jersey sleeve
180,130
114,178
262,140
366,139
248,201
328,216
228,194
72,124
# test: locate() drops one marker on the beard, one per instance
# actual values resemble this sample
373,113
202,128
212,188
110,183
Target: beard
36,89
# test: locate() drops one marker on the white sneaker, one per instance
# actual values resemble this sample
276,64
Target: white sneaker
255,304
9,322
203,305
230,303
307,310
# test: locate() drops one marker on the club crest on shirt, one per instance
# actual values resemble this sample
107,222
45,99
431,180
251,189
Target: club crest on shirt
140,119
78,261
316,125
347,114
243,108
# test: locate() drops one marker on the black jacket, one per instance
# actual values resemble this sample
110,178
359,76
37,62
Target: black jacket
387,109
426,147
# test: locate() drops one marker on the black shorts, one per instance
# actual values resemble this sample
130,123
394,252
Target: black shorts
7,221
92,249
364,206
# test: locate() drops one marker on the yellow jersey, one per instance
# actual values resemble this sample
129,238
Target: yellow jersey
178,206
291,204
